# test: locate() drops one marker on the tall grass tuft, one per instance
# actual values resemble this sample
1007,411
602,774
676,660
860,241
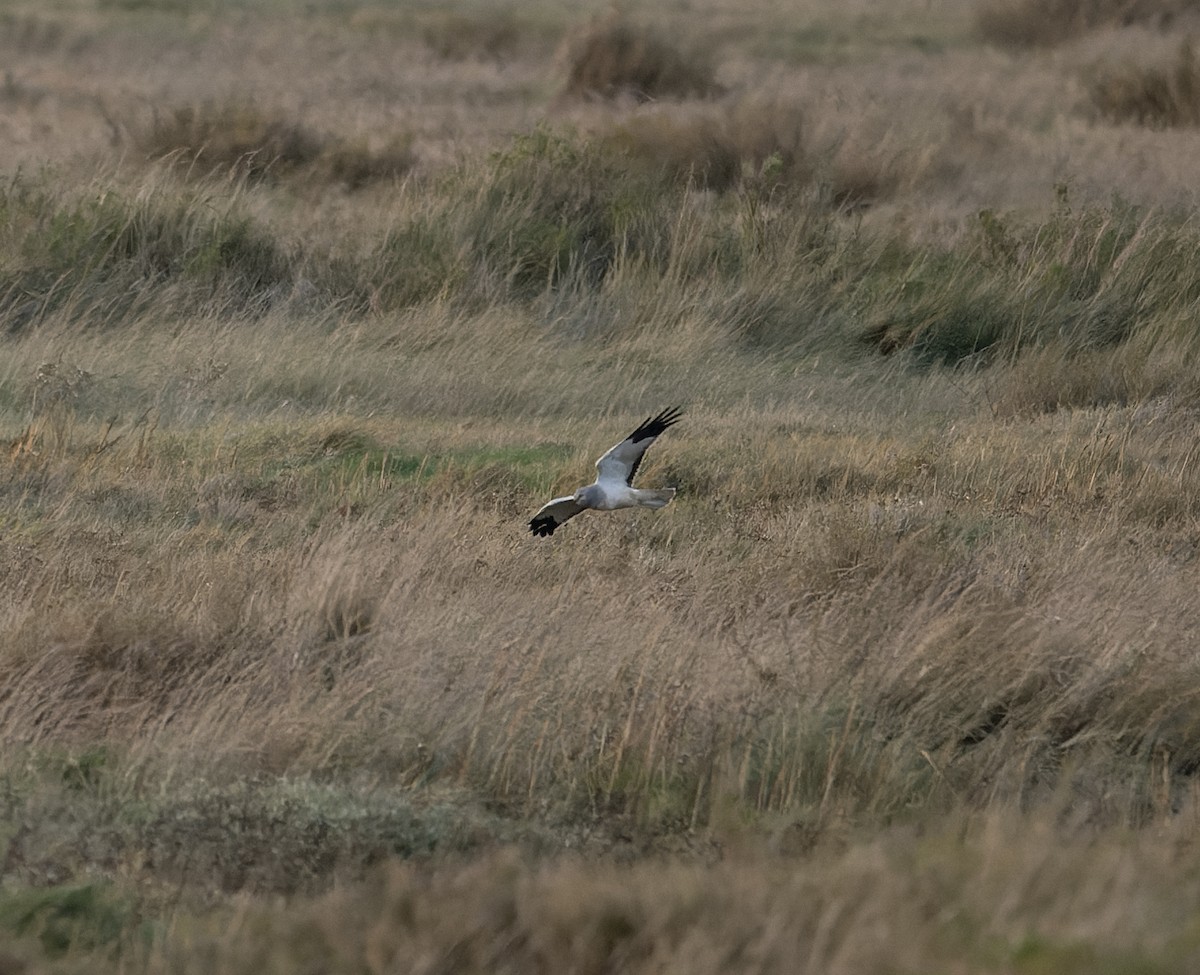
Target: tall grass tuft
715,146
105,255
486,34
550,211
612,57
553,209
1088,279
1160,97
1030,23
238,138
235,136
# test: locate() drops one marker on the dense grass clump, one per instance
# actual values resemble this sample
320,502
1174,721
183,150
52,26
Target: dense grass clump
548,212
233,136
1161,97
1086,279
484,34
237,138
105,255
716,146
553,210
1032,23
66,918
613,57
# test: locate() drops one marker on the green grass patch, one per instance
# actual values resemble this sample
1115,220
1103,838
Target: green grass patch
345,458
67,918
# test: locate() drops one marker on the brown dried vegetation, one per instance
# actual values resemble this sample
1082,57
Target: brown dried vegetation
1038,23
1161,97
905,678
237,138
715,145
613,57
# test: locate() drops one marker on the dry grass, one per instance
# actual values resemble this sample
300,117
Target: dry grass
902,681
237,139
1154,96
459,36
716,146
1025,23
613,57
840,913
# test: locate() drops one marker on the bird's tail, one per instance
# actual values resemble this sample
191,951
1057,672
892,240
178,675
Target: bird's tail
653,498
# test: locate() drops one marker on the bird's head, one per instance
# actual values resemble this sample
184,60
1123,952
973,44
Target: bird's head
588,497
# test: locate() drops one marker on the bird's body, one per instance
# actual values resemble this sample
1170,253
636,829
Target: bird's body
613,487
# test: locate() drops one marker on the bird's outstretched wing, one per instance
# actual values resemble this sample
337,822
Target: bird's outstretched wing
553,514
621,463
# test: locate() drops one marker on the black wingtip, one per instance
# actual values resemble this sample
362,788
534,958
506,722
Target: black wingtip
542,527
655,425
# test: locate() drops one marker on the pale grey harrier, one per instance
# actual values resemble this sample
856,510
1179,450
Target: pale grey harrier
614,480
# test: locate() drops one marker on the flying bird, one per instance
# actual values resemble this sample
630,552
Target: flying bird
614,480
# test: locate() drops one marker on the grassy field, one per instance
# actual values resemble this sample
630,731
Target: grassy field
306,308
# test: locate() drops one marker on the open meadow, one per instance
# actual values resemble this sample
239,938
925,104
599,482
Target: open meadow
305,308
